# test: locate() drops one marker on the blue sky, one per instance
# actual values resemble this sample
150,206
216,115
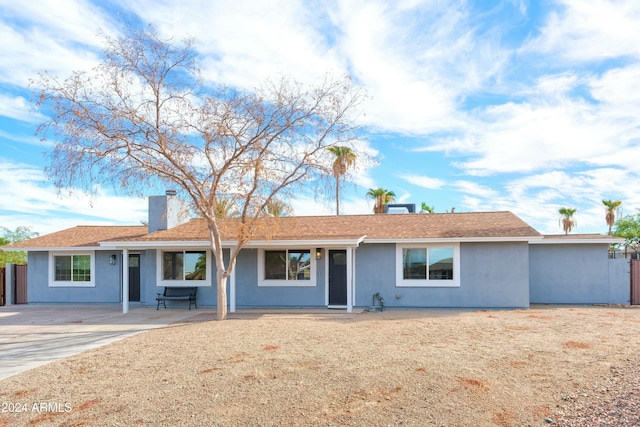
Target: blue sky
520,106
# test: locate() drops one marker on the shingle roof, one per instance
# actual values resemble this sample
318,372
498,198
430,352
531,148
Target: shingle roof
489,225
381,226
82,236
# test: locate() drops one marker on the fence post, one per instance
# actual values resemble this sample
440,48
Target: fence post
8,280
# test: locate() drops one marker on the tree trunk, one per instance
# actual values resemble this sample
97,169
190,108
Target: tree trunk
337,196
221,282
221,279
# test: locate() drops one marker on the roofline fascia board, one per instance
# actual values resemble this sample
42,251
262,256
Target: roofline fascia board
456,240
353,242
575,241
56,249
152,244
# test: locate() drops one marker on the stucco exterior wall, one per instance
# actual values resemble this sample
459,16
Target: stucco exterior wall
577,274
107,287
206,296
249,294
148,288
493,275
619,281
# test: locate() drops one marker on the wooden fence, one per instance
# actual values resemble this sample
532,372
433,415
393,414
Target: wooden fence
635,281
20,290
18,285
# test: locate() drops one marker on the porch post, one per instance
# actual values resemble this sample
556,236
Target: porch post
125,281
349,280
232,291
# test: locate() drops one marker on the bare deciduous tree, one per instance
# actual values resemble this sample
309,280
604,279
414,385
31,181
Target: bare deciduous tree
143,117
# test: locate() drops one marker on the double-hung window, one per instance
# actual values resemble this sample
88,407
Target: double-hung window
428,265
287,267
72,269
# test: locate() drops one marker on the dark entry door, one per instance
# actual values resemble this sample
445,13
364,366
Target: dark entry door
338,277
134,277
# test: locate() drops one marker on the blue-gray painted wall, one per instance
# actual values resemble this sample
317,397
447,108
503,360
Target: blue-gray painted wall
206,296
107,280
577,274
619,281
493,275
249,294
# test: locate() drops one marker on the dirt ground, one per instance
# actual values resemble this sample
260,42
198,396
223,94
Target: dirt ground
543,366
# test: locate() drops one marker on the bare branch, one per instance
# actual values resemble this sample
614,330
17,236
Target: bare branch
143,117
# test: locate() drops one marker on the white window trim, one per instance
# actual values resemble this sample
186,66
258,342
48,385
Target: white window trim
70,283
289,283
160,282
422,283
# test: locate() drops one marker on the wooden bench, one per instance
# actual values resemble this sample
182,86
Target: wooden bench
178,294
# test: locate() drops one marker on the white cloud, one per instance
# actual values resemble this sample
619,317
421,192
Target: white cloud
18,108
244,44
475,189
590,30
58,37
541,135
27,199
619,87
401,62
563,133
411,68
536,198
424,181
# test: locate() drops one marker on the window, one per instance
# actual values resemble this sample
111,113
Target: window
287,267
71,269
432,265
180,267
184,265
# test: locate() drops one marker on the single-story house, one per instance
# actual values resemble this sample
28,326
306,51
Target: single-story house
412,260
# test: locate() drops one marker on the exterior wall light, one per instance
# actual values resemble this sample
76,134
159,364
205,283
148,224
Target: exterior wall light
112,260
318,253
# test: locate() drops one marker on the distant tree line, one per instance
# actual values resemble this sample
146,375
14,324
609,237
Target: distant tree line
8,237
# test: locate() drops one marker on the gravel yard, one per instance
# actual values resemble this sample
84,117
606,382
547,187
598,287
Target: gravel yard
543,366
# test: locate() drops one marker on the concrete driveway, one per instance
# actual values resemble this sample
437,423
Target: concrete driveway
34,335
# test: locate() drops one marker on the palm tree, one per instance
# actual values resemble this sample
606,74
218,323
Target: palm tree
382,198
568,223
345,159
427,208
277,207
224,208
611,207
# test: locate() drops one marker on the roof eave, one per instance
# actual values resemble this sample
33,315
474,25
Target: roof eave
53,248
547,241
153,244
455,239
